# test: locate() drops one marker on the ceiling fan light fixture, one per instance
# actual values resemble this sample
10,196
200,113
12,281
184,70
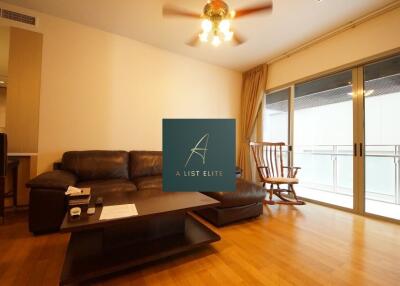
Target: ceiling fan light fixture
224,26
216,41
216,18
206,25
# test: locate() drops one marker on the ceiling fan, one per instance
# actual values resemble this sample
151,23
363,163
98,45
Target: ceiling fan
216,21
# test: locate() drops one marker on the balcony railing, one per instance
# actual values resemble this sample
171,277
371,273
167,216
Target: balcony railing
329,168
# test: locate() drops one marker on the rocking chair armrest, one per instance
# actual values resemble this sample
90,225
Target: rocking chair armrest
262,167
292,171
288,167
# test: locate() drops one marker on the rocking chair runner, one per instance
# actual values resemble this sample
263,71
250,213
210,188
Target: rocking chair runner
269,160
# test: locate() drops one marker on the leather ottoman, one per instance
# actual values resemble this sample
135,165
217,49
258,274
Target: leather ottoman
245,202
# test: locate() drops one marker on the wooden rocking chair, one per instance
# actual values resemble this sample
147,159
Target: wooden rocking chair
269,161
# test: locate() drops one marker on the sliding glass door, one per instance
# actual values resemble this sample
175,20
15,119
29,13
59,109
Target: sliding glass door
343,129
323,139
382,137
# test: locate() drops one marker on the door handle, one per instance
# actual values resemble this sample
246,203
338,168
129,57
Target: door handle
361,150
355,150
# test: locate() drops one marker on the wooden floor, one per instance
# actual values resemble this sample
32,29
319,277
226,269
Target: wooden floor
306,245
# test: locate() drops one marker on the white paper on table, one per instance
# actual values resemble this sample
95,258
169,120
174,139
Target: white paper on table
118,211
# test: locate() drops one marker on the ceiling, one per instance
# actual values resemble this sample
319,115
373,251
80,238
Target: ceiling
291,23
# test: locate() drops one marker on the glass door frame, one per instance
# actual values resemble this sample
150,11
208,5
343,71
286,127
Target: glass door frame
291,125
356,169
358,141
291,122
359,128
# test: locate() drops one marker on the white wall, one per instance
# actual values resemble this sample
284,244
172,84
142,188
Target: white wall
104,91
378,35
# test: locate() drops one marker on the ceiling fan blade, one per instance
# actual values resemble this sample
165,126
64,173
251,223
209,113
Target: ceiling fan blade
254,9
194,41
172,11
237,39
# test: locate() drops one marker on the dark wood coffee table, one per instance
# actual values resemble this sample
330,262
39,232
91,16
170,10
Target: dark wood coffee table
162,228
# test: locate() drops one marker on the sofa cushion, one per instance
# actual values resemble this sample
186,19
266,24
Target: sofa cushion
99,187
246,193
145,163
148,182
96,165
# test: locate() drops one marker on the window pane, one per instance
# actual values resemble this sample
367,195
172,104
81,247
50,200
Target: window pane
275,116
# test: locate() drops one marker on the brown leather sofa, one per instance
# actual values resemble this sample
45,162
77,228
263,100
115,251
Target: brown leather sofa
121,171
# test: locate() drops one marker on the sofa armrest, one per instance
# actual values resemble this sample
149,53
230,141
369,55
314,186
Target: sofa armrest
57,179
57,166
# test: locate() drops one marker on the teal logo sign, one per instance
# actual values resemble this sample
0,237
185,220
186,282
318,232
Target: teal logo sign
199,155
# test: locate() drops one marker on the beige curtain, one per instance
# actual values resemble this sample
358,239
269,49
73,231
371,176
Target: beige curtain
254,85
